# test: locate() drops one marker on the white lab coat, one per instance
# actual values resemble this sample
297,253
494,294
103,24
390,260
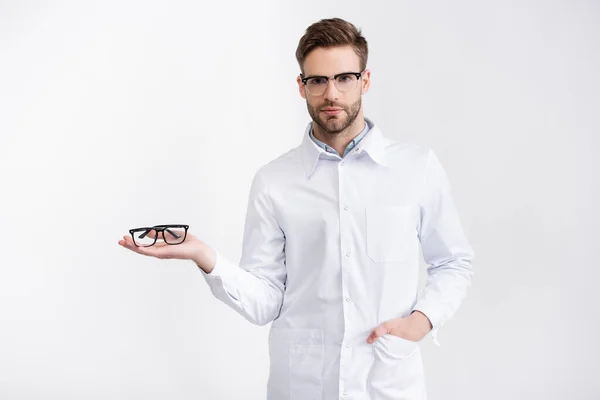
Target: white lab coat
331,250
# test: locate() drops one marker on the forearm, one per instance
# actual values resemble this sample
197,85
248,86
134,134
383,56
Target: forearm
446,287
257,298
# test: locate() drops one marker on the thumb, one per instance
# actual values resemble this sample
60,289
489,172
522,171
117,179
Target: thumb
378,332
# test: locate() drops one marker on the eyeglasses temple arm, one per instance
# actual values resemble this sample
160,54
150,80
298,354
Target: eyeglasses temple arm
173,233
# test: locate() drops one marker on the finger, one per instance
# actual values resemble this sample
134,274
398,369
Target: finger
124,242
155,250
373,336
128,243
148,233
377,333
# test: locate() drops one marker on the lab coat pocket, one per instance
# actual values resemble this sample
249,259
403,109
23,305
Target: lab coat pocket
306,365
397,371
395,347
296,363
387,232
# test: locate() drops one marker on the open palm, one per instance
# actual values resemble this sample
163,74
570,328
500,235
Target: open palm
186,250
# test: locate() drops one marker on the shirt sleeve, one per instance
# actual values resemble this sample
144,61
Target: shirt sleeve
255,287
445,248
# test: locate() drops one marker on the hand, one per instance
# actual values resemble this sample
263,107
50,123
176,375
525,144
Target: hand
414,328
191,248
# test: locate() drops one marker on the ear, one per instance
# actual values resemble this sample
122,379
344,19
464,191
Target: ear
366,81
301,87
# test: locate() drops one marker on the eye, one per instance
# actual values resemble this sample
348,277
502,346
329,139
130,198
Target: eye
345,78
316,81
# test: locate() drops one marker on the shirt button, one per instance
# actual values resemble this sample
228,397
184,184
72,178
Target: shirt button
347,299
345,207
347,254
347,346
341,163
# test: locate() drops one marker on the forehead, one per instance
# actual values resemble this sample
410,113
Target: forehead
329,61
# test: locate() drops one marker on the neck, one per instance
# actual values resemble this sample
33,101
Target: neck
339,141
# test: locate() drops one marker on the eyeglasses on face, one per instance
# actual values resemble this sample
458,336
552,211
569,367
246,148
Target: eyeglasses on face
170,234
344,82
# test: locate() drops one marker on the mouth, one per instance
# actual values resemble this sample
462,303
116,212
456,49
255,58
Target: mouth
331,110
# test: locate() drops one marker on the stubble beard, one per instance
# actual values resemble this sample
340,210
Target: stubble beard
334,125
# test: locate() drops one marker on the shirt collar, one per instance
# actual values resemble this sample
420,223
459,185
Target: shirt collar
350,145
373,144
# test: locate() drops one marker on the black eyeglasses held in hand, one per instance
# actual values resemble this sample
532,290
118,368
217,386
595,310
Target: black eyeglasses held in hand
170,234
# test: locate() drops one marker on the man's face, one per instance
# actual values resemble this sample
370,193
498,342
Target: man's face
333,111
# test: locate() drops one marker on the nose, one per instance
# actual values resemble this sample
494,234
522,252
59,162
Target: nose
331,92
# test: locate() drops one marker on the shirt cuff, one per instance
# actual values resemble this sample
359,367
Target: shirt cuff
219,269
220,276
432,312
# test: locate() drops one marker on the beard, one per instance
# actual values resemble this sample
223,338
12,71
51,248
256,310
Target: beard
332,125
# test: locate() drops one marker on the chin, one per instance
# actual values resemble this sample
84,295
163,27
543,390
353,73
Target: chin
335,126
334,119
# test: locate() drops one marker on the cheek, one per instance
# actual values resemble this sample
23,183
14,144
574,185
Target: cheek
356,101
312,104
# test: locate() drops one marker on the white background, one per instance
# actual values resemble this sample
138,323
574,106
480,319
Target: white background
115,115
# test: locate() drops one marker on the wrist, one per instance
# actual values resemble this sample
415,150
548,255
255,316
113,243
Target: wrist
420,323
205,258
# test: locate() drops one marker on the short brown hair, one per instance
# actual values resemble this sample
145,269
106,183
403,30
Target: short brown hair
332,32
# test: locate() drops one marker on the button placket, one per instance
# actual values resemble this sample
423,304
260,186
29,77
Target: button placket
346,260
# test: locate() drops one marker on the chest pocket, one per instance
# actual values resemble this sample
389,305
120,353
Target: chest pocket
390,230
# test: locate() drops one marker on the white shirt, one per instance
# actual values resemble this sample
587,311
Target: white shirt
353,143
331,250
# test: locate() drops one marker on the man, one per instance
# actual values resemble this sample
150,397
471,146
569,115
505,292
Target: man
331,243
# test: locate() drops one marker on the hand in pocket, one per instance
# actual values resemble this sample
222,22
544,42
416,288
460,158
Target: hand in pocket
414,328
